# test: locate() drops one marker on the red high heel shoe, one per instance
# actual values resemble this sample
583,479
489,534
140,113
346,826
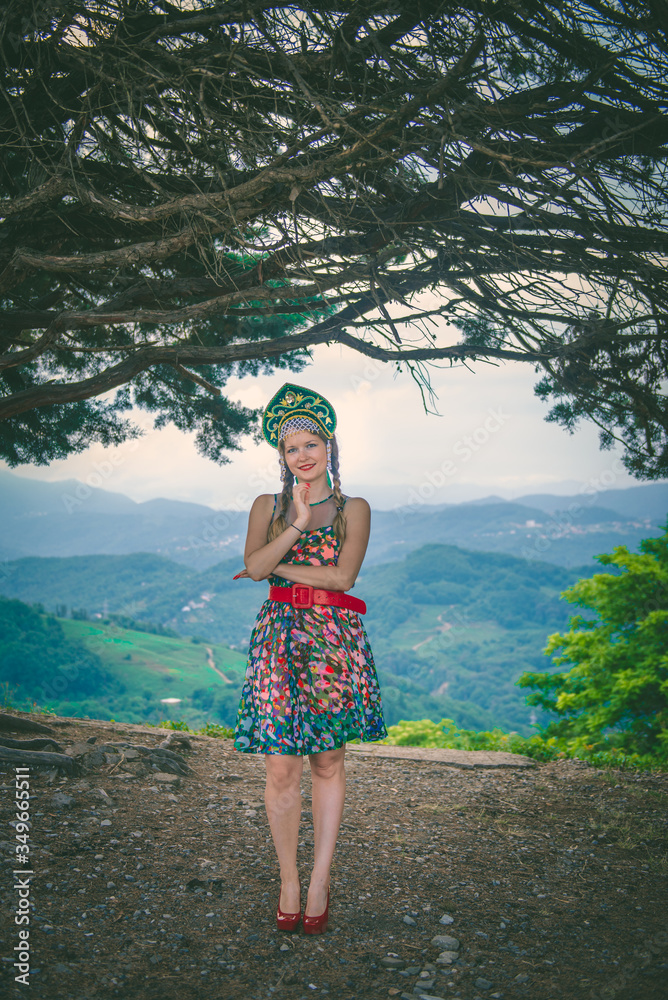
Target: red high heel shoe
317,925
287,921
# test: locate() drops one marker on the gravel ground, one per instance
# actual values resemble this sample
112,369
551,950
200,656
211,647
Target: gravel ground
146,884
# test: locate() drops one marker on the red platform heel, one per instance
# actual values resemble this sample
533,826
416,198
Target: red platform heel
317,925
287,921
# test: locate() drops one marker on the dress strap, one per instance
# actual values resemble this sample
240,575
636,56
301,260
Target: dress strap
275,502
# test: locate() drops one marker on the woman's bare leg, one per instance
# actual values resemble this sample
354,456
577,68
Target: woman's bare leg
282,799
328,778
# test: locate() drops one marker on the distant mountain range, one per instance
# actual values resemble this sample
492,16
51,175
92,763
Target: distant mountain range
70,518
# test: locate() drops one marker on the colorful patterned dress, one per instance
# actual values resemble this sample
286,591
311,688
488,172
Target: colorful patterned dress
311,681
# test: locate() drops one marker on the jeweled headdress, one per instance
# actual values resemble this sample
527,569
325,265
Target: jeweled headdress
295,401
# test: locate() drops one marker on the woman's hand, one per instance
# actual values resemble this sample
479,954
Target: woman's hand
300,495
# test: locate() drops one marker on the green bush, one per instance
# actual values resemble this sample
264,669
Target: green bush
446,735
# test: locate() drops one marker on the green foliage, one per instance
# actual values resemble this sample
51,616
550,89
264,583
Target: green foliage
615,696
451,630
446,735
40,661
179,725
179,180
220,732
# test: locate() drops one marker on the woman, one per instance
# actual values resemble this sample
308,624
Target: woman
311,682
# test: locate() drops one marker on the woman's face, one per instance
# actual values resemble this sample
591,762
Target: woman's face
305,456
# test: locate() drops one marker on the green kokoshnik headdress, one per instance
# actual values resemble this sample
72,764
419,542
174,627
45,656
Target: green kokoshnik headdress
295,401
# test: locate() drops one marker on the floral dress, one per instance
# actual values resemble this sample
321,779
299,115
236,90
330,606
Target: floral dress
310,683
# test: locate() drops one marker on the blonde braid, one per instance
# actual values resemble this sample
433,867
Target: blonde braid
339,523
280,524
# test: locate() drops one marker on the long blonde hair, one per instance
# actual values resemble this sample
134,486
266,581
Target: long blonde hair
339,523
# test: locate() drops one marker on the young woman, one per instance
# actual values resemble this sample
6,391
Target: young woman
311,682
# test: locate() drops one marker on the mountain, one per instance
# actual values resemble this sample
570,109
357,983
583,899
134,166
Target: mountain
451,629
104,670
649,501
70,518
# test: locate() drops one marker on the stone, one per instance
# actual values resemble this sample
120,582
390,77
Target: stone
100,793
445,942
409,920
482,984
522,978
392,962
165,778
446,919
447,957
61,799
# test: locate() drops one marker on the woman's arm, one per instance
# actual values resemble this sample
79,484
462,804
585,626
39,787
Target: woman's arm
262,557
343,575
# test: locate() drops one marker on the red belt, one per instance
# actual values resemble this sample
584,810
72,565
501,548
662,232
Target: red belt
302,595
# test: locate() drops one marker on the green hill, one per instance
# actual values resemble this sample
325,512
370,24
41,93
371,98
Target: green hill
104,671
451,629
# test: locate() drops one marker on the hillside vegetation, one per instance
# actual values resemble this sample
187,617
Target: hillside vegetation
452,630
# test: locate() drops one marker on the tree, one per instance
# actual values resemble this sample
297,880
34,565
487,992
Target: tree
183,182
616,692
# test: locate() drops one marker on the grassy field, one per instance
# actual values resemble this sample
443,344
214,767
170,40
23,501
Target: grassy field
206,677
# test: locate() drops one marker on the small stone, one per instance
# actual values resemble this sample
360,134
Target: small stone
105,822
61,799
522,978
482,984
446,919
392,962
447,957
445,942
284,947
168,779
409,920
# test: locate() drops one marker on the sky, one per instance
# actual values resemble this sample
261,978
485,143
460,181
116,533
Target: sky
490,438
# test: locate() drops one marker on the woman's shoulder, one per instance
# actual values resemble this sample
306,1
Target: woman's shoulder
265,501
356,505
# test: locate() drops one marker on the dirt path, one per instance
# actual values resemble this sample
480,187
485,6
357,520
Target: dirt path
440,629
554,876
212,663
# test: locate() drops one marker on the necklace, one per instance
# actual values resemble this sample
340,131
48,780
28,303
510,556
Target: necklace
318,502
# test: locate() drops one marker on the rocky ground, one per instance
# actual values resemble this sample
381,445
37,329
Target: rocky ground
550,879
